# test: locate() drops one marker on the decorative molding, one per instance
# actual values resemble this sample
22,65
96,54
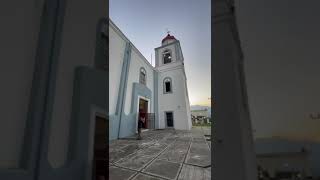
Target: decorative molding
143,70
155,95
47,51
177,41
123,85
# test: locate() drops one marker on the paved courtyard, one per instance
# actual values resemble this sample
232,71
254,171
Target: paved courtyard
162,154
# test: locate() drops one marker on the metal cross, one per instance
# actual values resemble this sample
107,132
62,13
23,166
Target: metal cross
168,31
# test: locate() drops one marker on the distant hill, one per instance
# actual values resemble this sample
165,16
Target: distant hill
199,107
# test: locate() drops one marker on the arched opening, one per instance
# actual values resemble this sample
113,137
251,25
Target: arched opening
167,58
167,85
143,76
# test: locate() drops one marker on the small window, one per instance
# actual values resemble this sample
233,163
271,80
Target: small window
167,85
166,57
142,78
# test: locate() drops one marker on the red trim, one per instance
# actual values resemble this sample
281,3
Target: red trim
168,37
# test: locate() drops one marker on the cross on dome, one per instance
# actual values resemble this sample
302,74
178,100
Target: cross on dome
168,37
168,32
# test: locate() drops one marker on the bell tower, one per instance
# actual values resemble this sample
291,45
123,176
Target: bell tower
173,98
169,52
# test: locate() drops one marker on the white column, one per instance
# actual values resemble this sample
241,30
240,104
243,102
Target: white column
233,150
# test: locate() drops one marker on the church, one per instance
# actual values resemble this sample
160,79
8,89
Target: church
137,89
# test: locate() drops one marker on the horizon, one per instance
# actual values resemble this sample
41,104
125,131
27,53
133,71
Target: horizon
208,105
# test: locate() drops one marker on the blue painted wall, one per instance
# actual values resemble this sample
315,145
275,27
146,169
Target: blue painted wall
120,124
128,122
115,119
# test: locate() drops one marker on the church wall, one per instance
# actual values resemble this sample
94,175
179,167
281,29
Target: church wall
179,51
136,62
115,120
188,107
133,90
19,36
117,47
123,108
174,101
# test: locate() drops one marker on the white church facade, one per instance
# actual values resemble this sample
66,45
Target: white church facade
136,88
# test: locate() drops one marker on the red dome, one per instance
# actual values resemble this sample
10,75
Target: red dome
168,37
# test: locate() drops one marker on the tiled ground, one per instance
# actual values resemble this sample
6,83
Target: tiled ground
162,154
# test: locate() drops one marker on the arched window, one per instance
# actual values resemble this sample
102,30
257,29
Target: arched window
167,56
167,85
143,76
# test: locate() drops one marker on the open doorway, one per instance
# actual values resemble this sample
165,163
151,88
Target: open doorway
143,111
169,119
100,149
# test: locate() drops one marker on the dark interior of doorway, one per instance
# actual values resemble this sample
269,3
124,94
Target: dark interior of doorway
169,118
100,149
143,111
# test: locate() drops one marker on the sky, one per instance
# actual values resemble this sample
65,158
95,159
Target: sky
280,41
145,23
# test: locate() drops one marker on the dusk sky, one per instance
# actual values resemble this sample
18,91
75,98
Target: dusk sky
281,41
145,23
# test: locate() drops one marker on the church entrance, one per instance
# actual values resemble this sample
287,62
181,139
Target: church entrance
143,111
100,148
